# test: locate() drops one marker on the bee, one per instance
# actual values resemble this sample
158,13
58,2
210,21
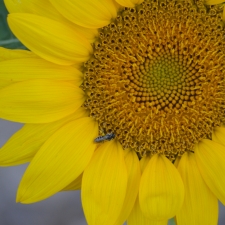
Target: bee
107,137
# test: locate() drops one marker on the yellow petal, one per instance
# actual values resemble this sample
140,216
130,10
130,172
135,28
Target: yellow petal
74,185
177,160
200,204
39,7
35,68
129,3
39,101
144,162
6,54
213,2
45,8
4,83
161,192
60,160
89,13
90,34
137,217
104,185
51,40
210,158
24,144
218,135
134,175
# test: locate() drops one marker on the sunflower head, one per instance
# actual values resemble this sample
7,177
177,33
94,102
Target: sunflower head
123,99
156,78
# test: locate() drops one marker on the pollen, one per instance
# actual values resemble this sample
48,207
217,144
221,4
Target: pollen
156,76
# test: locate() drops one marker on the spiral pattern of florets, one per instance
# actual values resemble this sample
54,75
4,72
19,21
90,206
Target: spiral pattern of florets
156,77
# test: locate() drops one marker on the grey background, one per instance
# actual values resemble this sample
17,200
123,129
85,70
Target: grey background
61,209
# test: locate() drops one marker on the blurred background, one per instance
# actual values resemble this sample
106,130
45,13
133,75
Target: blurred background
63,208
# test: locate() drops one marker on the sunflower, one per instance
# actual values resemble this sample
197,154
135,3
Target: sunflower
123,99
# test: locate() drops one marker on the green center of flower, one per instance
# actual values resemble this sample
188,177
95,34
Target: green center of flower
163,81
156,77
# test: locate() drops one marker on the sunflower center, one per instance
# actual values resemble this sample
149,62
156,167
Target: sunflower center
156,77
162,82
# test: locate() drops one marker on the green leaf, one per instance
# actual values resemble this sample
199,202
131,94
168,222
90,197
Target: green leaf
7,39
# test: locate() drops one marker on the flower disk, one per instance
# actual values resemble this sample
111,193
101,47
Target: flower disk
156,76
